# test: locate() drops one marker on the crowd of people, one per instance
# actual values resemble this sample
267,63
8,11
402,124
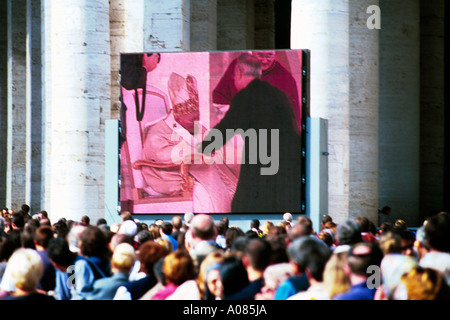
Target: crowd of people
194,257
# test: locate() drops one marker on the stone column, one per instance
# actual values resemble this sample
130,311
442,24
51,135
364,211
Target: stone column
3,98
203,35
399,139
264,24
235,24
167,25
18,108
344,90
76,65
35,74
432,106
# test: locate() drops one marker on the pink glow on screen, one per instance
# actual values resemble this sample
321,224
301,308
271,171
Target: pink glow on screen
180,89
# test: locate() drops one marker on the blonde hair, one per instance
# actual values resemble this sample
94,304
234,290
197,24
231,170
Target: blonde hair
26,269
334,277
124,257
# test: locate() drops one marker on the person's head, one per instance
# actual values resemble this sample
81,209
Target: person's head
74,237
59,254
361,256
17,221
101,221
258,253
183,94
42,236
390,242
123,258
364,223
165,243
221,228
143,236
150,61
407,239
61,229
226,221
85,220
423,284
307,222
233,275
188,218
298,231
385,227
128,227
279,248
327,236
119,238
93,242
266,58
254,224
349,232
400,224
178,267
326,218
177,223
248,68
437,232
203,227
232,234
266,226
386,210
287,217
210,263
26,269
126,215
335,279
149,254
309,255
166,228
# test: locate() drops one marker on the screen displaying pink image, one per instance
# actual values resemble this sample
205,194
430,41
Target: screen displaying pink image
211,132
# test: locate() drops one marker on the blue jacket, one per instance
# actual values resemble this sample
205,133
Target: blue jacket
106,288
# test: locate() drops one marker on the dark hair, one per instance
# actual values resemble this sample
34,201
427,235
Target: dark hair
101,221
58,251
259,253
144,236
221,227
279,248
349,232
310,253
43,235
166,227
359,262
233,274
437,232
85,220
93,242
255,223
18,219
61,229
232,234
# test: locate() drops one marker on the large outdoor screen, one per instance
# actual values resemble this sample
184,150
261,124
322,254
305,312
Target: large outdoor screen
212,132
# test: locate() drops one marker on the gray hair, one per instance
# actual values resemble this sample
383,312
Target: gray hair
249,65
